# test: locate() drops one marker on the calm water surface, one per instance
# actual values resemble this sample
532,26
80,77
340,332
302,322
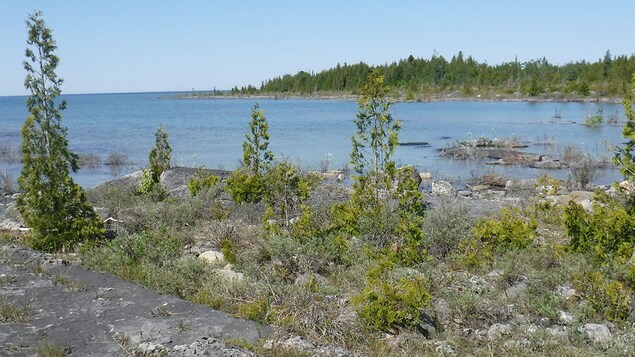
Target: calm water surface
210,132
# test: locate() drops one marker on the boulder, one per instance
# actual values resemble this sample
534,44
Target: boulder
497,330
229,274
212,256
628,187
443,188
413,172
597,333
565,318
566,292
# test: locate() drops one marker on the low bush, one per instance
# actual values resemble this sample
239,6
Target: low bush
444,226
389,303
606,233
510,231
202,180
609,297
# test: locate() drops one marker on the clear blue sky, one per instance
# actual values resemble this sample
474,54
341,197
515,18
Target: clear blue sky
142,45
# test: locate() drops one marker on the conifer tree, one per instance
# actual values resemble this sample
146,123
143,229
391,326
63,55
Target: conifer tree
160,154
51,204
625,156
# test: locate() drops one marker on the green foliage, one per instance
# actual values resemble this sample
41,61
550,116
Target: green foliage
228,250
388,303
412,77
245,187
606,233
202,181
160,154
286,190
608,297
375,139
594,121
51,204
256,156
258,310
625,156
248,183
149,187
510,231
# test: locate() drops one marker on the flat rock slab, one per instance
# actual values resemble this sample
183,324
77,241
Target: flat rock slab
93,314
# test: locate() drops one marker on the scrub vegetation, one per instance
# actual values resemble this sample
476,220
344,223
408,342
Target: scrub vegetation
368,268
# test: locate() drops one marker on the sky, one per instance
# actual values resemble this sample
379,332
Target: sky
159,45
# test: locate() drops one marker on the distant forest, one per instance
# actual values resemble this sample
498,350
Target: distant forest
418,78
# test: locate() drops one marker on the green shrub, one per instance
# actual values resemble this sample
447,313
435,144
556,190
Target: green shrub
606,233
258,310
160,154
228,251
387,303
510,231
243,186
608,297
149,187
202,181
286,190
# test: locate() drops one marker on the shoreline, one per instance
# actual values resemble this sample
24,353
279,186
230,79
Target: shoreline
437,98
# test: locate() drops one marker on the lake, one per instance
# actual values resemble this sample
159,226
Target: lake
210,132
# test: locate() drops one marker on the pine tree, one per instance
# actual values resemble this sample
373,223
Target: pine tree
625,156
160,154
51,204
248,184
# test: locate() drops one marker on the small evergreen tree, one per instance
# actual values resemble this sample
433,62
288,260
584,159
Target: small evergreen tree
375,139
160,154
248,183
51,204
625,156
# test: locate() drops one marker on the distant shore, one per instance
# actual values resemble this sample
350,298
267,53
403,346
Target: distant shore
448,97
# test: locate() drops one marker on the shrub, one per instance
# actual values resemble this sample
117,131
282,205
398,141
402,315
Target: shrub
445,225
583,171
245,187
149,187
160,154
202,180
116,159
608,297
510,231
387,303
228,251
286,190
605,233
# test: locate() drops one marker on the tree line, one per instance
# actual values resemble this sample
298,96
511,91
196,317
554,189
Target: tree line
414,78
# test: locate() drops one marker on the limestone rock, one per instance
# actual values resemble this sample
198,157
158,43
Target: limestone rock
497,330
212,256
228,273
598,333
566,292
565,318
443,188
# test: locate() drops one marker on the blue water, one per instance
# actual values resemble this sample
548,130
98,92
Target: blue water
210,132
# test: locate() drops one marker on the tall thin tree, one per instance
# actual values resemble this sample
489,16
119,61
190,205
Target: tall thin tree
51,204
